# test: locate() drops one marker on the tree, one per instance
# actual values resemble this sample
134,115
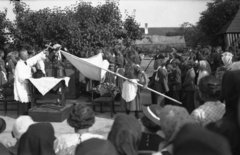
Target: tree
132,30
191,33
81,28
218,14
4,25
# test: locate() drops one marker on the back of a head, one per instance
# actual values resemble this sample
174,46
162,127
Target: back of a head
81,117
96,146
193,140
38,140
21,125
125,134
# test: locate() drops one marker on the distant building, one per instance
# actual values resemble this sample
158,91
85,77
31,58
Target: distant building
231,30
156,36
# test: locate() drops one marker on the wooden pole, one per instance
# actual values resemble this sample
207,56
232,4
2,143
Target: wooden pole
124,78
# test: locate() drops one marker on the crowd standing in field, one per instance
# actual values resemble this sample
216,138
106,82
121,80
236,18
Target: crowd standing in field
206,81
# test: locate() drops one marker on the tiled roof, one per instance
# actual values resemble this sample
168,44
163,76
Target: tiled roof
232,26
164,40
162,31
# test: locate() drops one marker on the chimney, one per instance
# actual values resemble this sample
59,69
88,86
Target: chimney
146,28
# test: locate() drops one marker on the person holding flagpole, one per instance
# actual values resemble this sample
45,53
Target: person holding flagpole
131,100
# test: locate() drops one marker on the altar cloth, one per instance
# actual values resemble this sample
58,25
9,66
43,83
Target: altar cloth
45,84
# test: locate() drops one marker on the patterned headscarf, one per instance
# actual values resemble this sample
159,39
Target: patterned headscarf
172,120
227,58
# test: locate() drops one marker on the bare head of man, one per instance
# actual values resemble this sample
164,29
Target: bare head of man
23,54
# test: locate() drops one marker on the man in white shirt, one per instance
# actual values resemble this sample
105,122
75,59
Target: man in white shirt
22,73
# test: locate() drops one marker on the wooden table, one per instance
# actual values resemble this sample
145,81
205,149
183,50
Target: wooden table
36,95
49,112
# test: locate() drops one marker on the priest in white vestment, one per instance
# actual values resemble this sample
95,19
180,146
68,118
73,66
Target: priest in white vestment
22,73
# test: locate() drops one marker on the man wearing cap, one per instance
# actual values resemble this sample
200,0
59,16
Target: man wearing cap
159,80
189,87
174,82
22,73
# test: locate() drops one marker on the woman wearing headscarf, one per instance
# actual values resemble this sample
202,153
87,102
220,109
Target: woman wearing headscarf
130,92
204,69
173,118
228,125
96,146
38,140
125,135
150,122
81,119
212,110
227,62
192,140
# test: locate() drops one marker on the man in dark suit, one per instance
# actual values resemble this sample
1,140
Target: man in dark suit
159,80
189,86
174,82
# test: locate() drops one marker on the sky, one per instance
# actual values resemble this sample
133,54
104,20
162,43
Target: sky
157,13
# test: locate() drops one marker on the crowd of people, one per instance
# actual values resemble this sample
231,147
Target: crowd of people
207,122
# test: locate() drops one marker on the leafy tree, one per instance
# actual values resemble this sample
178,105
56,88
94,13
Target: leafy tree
218,14
191,33
4,25
132,31
81,28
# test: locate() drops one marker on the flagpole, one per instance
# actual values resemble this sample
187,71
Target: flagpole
124,78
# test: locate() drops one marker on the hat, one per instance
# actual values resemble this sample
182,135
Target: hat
152,112
96,146
21,125
210,85
2,125
56,46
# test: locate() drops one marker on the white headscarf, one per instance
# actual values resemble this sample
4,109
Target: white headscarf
227,58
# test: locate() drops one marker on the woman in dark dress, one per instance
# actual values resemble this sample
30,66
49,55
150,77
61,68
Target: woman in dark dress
131,92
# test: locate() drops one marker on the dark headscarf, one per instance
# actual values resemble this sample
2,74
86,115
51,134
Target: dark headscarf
231,91
96,146
228,125
3,150
125,135
193,140
38,140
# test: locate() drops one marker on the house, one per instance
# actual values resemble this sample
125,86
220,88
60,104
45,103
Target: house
231,30
157,37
